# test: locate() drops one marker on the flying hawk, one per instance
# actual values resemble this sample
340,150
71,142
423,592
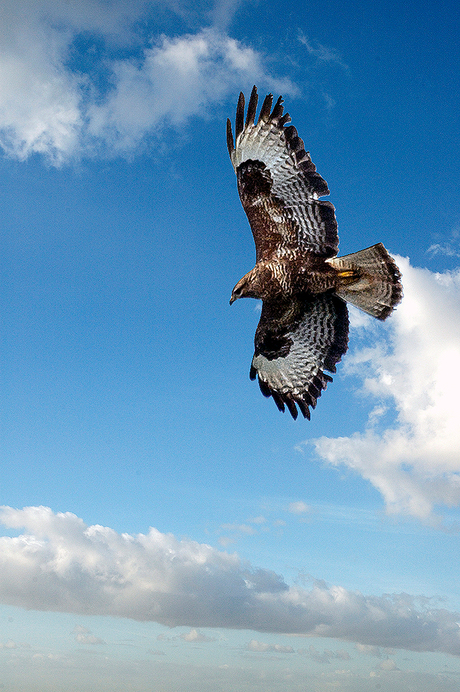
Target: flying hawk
304,286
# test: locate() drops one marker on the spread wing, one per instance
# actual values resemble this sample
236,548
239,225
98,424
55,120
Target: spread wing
278,183
295,342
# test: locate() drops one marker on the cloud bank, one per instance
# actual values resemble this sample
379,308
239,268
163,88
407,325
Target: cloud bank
415,461
66,88
61,564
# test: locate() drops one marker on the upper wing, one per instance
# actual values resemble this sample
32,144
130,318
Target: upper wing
280,192
295,342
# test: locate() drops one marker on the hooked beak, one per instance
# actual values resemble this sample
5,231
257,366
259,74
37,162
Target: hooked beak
232,299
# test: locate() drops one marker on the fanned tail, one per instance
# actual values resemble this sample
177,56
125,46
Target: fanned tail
370,280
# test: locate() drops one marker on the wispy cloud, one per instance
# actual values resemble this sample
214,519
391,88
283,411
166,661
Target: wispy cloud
233,532
51,105
325,656
447,246
60,563
298,507
415,461
321,52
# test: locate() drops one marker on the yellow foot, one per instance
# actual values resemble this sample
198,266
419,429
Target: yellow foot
348,276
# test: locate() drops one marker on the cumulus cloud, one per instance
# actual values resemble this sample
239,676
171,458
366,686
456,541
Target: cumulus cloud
39,99
10,644
262,647
59,563
204,68
413,461
388,664
85,636
196,637
51,105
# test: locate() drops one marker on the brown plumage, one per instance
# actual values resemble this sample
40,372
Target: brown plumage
303,329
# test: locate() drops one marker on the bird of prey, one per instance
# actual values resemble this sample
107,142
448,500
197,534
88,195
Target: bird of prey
304,286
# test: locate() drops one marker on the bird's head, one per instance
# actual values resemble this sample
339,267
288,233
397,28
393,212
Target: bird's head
247,287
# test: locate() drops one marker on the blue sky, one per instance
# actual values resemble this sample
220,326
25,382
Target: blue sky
163,525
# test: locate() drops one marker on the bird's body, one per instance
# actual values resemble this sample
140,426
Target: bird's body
303,328
288,276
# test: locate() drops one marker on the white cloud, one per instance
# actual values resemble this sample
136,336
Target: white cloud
369,650
204,68
239,530
298,507
321,52
59,563
10,644
415,461
39,100
262,647
448,246
258,520
388,664
50,109
85,636
196,636
42,101
88,639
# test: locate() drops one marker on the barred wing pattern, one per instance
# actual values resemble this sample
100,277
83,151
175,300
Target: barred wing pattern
295,342
295,184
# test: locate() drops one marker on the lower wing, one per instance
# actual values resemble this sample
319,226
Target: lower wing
296,340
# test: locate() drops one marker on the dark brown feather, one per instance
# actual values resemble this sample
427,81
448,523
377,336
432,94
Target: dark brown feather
230,143
239,120
278,109
252,108
264,114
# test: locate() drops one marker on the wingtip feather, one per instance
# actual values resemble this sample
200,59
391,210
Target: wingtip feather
239,120
304,409
278,109
252,107
265,111
279,401
230,142
290,403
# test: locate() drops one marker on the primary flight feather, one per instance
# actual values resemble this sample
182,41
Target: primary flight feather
304,286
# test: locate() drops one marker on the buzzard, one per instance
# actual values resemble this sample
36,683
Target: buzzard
304,286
